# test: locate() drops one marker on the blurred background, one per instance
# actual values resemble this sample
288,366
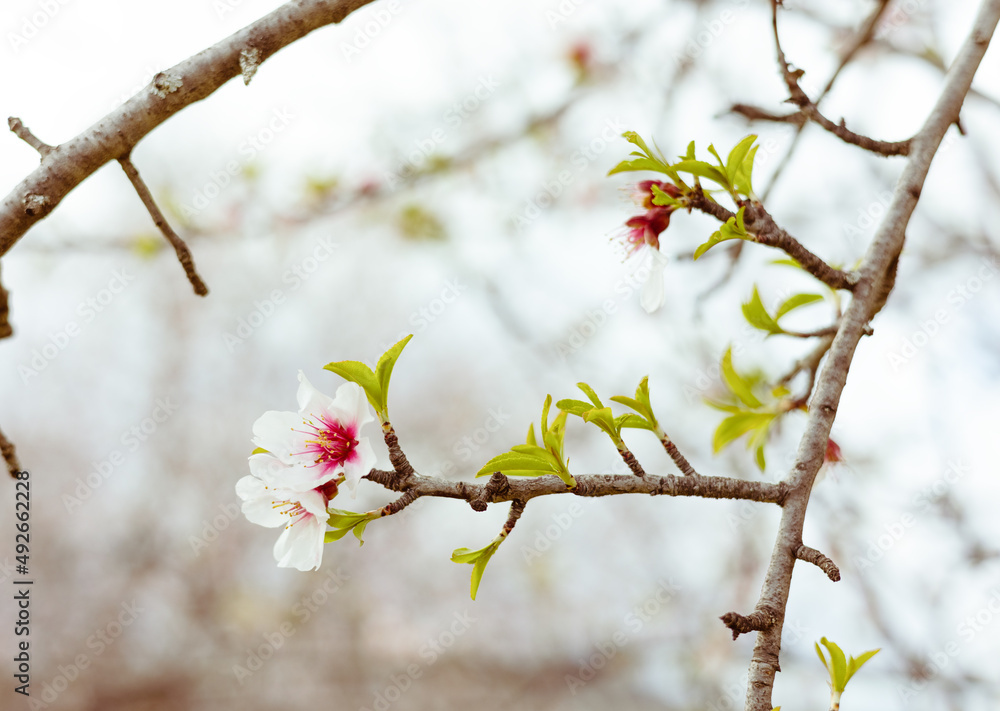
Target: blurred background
439,168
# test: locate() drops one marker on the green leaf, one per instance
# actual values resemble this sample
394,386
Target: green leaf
787,262
734,162
711,149
383,371
478,559
737,425
603,418
631,421
259,450
589,392
736,383
661,198
703,170
757,316
344,521
795,302
759,458
636,164
837,666
531,435
732,229
856,664
575,407
361,374
743,182
518,461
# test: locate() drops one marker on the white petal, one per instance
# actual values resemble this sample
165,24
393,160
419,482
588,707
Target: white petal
653,293
292,477
280,433
262,505
300,545
309,398
351,405
361,462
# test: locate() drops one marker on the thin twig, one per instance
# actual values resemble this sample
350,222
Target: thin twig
811,555
183,253
810,110
766,231
679,459
6,330
9,455
25,134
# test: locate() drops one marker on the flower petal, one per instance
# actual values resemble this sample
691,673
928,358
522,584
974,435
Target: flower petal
360,462
300,545
279,433
309,398
653,294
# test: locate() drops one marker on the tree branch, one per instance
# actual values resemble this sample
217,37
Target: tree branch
9,455
183,253
591,485
809,109
811,555
766,231
67,165
875,268
6,330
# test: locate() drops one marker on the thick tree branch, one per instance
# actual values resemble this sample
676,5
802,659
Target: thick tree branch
875,274
525,489
183,253
67,165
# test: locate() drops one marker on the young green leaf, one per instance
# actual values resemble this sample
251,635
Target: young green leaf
757,316
737,425
357,372
383,371
795,302
736,383
734,162
589,392
478,560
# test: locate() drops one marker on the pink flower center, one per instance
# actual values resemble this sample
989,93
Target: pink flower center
333,443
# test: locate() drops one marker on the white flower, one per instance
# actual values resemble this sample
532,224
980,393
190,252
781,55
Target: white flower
321,441
302,513
653,294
